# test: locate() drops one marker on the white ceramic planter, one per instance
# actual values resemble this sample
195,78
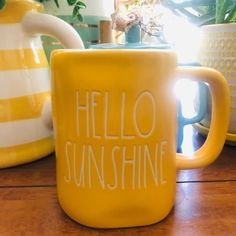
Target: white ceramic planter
218,51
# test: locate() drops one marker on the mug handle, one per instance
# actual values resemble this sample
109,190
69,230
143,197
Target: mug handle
35,23
202,108
220,117
183,121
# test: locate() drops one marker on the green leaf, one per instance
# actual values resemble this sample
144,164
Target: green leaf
75,11
231,15
233,18
77,14
71,2
81,5
2,3
221,10
80,18
56,2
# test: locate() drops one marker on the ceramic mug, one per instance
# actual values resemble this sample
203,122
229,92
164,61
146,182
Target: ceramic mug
114,114
133,41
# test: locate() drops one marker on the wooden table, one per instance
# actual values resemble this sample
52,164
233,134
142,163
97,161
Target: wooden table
205,201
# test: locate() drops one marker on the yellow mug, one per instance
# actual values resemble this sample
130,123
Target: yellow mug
114,114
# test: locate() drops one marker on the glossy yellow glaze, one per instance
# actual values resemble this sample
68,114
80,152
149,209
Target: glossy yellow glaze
220,117
19,112
15,10
22,58
20,154
18,108
115,131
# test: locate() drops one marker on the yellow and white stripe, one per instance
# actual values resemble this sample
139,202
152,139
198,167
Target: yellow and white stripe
24,132
24,87
22,95
23,82
13,37
15,10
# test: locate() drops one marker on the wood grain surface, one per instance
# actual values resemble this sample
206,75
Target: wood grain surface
200,209
205,201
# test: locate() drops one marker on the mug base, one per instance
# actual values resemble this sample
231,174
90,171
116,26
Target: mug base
114,217
107,225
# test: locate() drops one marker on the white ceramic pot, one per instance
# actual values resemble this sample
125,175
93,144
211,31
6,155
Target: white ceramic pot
218,51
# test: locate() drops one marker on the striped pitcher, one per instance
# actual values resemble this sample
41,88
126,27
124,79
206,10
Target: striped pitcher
24,80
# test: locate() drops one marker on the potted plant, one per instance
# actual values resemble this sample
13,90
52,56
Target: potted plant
84,20
204,12
55,7
150,15
77,6
69,11
218,47
83,15
72,7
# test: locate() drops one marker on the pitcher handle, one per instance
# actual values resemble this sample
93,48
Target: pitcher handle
35,23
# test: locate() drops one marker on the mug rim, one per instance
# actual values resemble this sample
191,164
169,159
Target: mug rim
112,51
